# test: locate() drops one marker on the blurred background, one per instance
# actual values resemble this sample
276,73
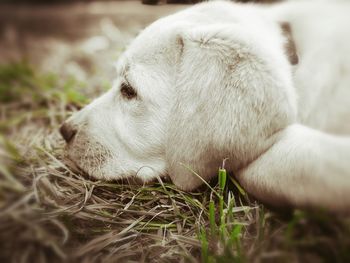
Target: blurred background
80,38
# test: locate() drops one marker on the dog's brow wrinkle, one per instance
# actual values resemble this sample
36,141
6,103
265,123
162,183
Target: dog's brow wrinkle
122,67
125,69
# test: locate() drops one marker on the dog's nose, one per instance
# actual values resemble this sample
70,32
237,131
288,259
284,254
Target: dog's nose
67,131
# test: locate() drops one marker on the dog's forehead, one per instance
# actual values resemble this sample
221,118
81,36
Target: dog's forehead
154,41
160,37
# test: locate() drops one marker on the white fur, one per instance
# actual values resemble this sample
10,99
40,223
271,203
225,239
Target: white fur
214,82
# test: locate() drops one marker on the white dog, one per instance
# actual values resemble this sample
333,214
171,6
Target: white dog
266,86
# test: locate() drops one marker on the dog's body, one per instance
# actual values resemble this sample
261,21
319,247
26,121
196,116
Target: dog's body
215,81
321,32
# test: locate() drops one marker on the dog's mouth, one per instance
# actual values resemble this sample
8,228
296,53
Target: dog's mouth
86,156
75,167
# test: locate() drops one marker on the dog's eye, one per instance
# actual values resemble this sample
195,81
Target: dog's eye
127,91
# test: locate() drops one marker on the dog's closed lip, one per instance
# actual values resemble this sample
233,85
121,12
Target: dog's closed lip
74,167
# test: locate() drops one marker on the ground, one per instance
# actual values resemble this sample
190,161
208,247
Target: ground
55,59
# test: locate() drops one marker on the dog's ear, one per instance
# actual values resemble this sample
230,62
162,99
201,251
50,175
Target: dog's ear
231,95
289,46
303,168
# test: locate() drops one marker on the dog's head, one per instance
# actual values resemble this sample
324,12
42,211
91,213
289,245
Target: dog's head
208,83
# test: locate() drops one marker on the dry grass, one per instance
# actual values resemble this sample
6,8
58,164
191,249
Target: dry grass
50,214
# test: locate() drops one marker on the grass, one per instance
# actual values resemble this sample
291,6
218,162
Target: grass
50,214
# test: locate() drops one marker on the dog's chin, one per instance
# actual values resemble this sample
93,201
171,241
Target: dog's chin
144,176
